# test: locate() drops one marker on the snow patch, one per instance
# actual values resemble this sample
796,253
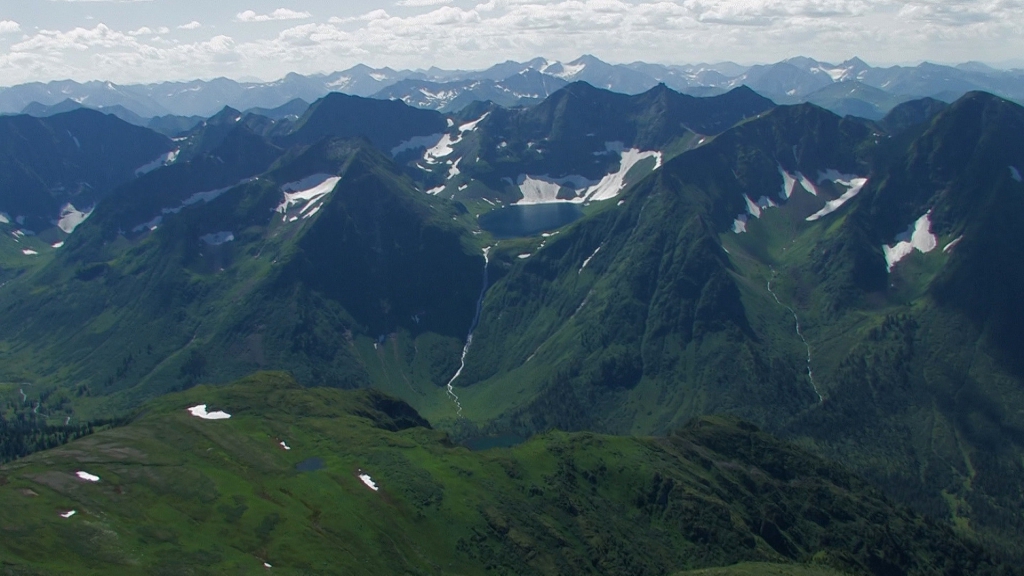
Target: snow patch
471,126
165,159
544,189
200,412
807,184
853,185
739,226
28,252
917,237
454,170
949,247
368,481
437,190
87,477
58,245
68,514
307,191
1014,173
218,238
5,218
285,445
524,256
442,149
610,186
587,261
71,218
752,208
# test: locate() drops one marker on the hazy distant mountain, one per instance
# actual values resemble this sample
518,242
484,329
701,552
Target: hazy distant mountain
512,83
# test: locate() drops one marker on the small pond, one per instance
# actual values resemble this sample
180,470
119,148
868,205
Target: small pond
517,221
310,465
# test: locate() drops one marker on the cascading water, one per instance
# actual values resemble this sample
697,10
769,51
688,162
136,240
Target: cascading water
810,372
469,338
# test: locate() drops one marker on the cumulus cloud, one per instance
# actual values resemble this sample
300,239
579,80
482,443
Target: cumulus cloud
193,25
468,36
279,14
8,26
147,31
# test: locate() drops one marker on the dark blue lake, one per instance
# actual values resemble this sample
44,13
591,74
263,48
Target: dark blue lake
310,465
517,221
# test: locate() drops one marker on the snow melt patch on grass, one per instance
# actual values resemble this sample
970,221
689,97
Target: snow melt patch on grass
200,412
949,247
917,237
454,170
5,218
368,481
1014,173
308,191
57,245
87,477
28,252
165,159
752,208
68,514
587,261
807,184
853,187
71,218
218,238
285,445
739,225
788,184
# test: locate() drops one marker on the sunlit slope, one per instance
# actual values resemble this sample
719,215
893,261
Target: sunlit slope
329,482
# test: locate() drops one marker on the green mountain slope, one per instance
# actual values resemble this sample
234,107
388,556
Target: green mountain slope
228,280
319,481
76,157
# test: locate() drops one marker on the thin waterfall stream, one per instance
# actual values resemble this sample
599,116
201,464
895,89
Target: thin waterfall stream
469,337
810,372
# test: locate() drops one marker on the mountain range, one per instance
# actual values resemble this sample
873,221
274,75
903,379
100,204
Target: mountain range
596,263
851,87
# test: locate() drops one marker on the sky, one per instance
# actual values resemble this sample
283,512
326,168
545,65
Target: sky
134,41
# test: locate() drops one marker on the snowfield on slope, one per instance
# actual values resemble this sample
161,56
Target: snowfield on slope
917,237
544,189
71,217
853,185
307,192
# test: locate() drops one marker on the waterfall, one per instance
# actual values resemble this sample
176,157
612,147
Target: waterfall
810,372
469,337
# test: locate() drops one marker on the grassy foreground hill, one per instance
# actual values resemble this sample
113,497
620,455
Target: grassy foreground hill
323,481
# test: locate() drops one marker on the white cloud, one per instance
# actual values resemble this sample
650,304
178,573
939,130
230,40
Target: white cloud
8,26
464,36
193,25
147,31
279,14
